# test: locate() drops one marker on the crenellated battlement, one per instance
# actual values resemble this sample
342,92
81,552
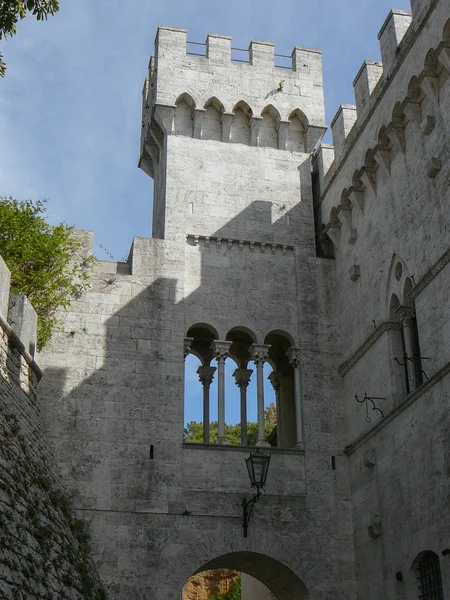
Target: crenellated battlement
213,90
414,82
172,43
367,137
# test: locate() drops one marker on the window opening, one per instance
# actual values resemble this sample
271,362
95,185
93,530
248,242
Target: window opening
429,577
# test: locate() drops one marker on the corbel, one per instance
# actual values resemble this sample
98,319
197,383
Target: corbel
227,120
369,179
427,125
397,135
344,214
157,136
430,84
165,117
444,57
356,196
413,111
333,231
152,150
199,114
255,124
283,127
382,156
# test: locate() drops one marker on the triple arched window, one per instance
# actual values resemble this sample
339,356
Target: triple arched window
258,367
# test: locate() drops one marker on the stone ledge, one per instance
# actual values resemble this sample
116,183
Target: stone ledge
370,341
230,448
430,274
406,403
15,342
236,243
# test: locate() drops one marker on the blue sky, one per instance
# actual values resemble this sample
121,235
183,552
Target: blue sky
70,105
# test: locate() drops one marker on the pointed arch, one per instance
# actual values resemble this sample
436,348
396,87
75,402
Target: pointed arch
414,89
430,62
268,130
446,32
240,127
212,120
383,137
345,199
398,115
184,114
298,124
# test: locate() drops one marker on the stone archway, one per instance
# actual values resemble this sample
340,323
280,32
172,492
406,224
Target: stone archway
277,577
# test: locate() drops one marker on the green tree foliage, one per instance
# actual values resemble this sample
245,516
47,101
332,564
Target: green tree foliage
42,260
194,430
234,593
13,11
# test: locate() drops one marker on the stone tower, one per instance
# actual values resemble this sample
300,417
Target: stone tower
230,273
333,269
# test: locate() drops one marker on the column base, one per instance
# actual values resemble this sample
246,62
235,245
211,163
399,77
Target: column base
299,446
264,443
221,441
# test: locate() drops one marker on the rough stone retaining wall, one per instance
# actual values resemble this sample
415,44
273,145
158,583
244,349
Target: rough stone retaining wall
44,548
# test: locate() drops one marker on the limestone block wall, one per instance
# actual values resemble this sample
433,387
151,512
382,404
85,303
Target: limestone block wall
189,99
237,191
255,79
382,209
44,548
112,398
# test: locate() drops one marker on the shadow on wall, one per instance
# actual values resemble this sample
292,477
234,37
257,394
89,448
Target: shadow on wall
112,391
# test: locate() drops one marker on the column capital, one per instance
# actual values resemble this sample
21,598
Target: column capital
405,314
294,356
206,375
187,345
275,380
242,377
259,353
220,350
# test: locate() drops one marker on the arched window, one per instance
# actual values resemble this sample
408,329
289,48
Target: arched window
268,130
184,114
285,360
428,573
212,121
296,132
402,309
240,127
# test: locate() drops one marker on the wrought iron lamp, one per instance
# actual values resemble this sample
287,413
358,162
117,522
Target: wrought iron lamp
258,467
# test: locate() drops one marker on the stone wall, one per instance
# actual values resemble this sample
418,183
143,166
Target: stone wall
383,205
44,548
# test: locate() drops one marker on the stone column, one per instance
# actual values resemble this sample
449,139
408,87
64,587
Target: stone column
406,316
220,351
242,377
293,355
275,380
206,376
259,354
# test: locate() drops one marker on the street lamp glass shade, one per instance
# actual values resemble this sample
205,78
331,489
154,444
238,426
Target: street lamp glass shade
257,466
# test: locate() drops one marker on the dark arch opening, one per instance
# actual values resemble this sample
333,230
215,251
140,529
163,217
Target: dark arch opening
203,335
276,576
242,339
280,342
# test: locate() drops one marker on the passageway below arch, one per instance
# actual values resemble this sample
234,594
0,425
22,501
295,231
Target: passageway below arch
276,576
